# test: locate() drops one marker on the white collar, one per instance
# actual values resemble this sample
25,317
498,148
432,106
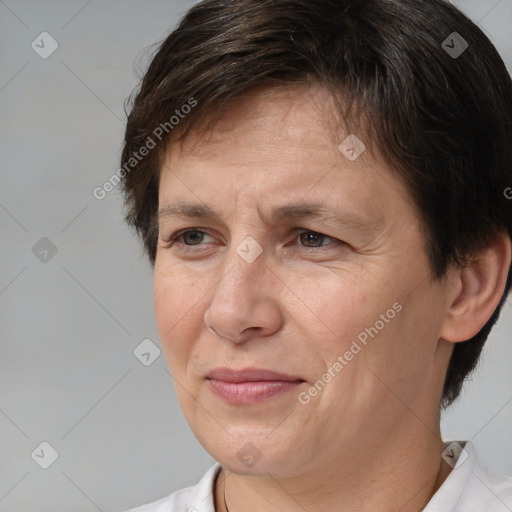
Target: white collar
451,489
201,497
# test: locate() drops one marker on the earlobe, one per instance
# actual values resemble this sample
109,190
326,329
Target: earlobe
480,287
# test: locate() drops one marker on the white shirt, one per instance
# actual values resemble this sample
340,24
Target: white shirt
470,487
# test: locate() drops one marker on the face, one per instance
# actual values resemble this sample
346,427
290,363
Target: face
340,301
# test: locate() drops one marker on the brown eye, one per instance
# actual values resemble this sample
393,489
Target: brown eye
194,236
190,237
312,239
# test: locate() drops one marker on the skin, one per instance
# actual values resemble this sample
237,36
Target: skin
370,440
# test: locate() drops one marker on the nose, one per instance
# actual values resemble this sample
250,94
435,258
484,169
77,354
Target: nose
244,302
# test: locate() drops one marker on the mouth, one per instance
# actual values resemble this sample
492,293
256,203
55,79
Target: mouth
250,385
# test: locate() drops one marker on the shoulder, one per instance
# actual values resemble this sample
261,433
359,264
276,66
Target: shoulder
490,488
195,498
485,489
175,502
471,486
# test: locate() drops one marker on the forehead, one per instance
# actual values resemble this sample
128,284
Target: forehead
303,114
271,142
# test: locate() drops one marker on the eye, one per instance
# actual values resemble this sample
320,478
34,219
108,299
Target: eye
313,237
308,239
196,237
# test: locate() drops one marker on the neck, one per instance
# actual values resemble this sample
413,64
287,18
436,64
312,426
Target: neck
401,474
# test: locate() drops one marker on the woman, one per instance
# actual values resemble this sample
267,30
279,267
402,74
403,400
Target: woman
319,187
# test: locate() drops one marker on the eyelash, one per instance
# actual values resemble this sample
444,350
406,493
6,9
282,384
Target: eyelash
298,231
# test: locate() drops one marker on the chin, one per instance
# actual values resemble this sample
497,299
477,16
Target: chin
244,455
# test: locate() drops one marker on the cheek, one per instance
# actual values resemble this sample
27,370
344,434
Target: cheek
366,323
178,316
323,310
335,309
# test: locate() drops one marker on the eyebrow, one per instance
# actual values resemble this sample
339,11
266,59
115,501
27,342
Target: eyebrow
304,211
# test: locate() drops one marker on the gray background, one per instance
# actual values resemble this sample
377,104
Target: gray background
69,326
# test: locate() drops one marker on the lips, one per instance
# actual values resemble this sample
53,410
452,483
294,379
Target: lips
250,375
250,385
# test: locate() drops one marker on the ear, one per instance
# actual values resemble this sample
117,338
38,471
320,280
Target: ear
478,290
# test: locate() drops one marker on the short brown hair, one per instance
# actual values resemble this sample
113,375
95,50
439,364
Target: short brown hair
442,121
